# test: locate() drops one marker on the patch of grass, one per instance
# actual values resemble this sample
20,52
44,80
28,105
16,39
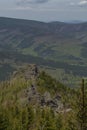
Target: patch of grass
10,90
60,75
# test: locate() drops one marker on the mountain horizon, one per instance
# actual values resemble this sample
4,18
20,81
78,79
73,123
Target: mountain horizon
55,21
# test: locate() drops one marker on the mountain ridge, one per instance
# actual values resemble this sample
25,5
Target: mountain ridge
26,21
23,40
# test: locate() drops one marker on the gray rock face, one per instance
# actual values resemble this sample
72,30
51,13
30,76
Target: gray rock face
31,72
44,100
33,96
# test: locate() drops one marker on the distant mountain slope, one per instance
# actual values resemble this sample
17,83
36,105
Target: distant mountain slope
39,38
55,43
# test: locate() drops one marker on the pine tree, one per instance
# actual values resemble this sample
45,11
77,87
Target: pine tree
82,108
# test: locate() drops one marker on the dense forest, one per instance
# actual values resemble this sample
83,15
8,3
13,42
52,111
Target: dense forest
33,100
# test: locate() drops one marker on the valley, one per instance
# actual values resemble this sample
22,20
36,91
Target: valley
56,45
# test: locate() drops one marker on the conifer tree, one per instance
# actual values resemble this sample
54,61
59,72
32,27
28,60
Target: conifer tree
82,108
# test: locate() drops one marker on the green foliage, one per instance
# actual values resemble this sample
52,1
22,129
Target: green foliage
47,83
4,121
17,114
82,107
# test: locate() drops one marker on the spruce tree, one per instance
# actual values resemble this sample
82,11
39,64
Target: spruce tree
82,108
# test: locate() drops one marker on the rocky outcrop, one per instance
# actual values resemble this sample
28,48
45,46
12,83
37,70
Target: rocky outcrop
31,71
45,100
33,97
